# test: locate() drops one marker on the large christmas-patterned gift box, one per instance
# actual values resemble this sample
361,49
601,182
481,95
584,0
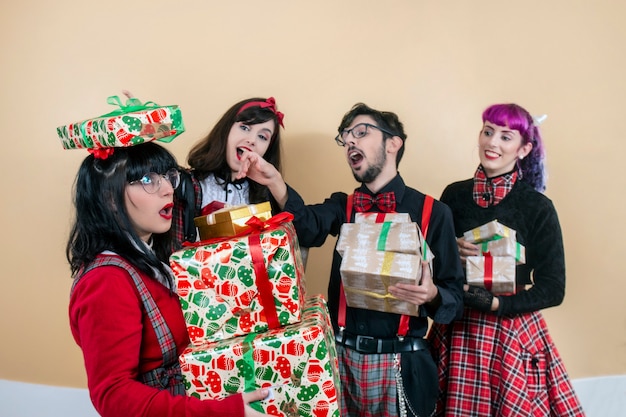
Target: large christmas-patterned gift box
494,273
230,221
366,276
489,231
387,236
250,283
133,123
298,363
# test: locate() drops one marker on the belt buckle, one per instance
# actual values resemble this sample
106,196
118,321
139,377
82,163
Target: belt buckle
365,344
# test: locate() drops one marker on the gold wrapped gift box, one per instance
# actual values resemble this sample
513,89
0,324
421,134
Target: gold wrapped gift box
230,221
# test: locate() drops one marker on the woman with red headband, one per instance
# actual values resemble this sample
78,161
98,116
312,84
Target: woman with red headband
251,125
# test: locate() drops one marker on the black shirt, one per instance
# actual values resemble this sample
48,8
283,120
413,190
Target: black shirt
315,222
533,216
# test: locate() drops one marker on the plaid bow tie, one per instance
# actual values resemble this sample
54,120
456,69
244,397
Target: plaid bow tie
386,202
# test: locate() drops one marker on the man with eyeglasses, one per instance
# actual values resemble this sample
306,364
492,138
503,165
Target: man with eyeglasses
373,346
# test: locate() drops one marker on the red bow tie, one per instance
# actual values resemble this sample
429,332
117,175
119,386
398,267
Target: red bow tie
386,202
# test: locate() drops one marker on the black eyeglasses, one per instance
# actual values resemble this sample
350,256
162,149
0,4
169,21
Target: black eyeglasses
151,182
358,132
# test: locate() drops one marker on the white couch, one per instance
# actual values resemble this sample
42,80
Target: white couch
21,399
603,396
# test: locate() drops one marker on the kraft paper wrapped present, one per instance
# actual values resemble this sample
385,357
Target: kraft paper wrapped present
230,221
366,276
494,273
234,286
489,231
505,246
133,123
382,217
298,363
387,236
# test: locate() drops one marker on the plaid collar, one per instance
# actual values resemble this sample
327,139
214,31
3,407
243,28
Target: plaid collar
490,191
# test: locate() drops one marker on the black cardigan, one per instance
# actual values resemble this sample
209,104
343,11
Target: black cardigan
533,216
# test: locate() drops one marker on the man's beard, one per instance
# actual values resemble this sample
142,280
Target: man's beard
373,170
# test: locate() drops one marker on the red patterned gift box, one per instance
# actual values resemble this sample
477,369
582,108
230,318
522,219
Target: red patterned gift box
248,283
297,362
133,123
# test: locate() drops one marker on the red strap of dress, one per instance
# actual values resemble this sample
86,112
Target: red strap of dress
403,328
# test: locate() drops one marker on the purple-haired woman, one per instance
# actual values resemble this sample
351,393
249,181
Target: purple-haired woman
499,359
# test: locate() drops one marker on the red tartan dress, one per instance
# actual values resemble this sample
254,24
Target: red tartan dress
501,366
504,363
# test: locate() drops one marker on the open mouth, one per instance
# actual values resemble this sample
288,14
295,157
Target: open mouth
167,211
240,151
354,157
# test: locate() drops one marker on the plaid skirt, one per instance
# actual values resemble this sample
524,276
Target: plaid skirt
501,366
368,383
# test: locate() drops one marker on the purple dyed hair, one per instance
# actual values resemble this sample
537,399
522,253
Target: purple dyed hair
532,167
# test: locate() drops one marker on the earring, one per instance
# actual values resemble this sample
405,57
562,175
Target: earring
521,157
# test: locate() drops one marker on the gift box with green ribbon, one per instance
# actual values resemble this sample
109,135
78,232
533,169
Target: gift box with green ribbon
133,123
386,236
298,363
489,231
247,283
367,274
504,246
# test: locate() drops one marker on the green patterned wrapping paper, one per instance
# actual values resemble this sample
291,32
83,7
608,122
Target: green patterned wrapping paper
224,294
132,124
297,362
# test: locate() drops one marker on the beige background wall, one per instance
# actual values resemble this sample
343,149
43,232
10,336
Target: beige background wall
438,64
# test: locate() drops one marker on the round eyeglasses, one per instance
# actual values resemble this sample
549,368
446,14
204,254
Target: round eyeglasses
358,132
151,182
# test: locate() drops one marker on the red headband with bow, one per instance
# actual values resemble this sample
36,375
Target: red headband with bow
269,104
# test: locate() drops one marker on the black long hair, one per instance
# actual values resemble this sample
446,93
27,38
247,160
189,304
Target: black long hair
208,156
102,222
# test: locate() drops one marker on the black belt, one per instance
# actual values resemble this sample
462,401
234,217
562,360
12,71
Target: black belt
368,344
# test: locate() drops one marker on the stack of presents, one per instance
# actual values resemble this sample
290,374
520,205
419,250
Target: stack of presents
250,323
379,250
494,269
241,288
